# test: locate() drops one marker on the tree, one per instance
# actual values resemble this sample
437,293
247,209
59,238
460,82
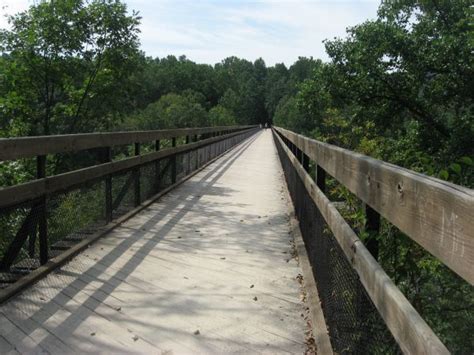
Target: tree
400,88
66,64
220,116
413,63
170,111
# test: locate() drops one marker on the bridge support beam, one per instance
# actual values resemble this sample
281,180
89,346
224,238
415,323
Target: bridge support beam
157,167
107,157
173,162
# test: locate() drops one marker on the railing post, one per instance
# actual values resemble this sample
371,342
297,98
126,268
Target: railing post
42,216
137,177
157,167
173,162
372,226
107,157
188,159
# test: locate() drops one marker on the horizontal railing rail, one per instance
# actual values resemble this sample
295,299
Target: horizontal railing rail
52,216
30,190
442,214
24,147
436,214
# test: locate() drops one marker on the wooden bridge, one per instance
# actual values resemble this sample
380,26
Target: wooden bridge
213,240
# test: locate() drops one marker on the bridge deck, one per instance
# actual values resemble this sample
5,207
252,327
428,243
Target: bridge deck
207,269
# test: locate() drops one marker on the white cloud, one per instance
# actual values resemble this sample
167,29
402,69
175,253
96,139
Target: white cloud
278,31
10,7
210,30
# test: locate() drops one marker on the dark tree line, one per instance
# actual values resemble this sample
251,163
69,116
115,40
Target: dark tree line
71,66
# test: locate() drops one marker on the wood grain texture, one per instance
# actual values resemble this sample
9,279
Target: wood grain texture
25,147
213,255
436,214
13,195
410,331
65,256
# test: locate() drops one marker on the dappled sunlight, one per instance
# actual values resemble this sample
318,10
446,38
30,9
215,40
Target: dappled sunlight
207,268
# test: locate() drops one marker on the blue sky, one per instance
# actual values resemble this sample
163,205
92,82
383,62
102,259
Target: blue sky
207,31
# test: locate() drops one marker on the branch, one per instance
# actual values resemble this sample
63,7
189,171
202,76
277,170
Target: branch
86,92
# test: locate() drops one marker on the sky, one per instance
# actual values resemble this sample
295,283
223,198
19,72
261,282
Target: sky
207,31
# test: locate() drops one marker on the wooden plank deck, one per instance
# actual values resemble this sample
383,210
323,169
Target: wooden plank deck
207,269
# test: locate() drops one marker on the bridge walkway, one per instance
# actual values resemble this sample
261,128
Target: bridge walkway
209,268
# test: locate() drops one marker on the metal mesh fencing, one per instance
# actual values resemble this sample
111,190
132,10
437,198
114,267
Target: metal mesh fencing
122,193
354,324
19,244
73,215
70,216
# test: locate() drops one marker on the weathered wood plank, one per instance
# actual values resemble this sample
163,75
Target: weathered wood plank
56,262
24,147
19,193
22,341
410,331
164,290
436,214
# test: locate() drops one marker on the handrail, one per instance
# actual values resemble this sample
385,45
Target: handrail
42,237
436,214
24,147
33,189
411,332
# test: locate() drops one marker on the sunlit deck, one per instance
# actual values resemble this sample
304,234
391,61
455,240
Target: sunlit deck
209,268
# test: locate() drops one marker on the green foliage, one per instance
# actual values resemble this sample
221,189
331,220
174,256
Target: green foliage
287,114
64,66
170,111
220,116
399,88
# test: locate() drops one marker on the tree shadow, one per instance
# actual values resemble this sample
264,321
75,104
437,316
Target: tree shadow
86,285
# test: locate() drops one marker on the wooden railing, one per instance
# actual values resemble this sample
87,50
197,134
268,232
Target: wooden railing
39,147
28,205
436,214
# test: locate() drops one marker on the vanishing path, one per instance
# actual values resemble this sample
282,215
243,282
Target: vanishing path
206,269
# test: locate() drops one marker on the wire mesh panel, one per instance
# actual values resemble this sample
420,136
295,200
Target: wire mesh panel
122,193
354,324
149,177
18,242
73,215
165,175
34,231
